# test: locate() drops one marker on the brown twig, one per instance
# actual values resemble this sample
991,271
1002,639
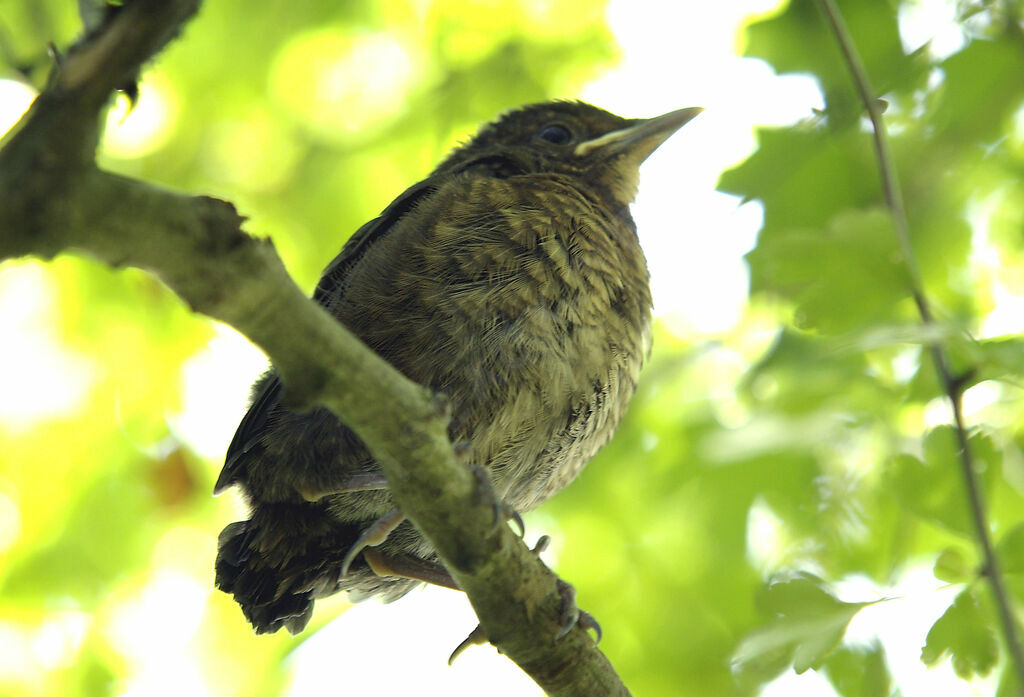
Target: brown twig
951,385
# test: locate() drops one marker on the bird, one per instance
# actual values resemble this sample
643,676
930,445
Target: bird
510,280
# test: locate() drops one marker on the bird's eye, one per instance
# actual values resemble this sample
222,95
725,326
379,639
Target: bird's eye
556,134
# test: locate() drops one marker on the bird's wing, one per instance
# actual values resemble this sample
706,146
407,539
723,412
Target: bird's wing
499,165
335,273
248,432
254,423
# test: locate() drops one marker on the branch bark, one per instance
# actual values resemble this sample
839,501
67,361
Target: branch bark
53,198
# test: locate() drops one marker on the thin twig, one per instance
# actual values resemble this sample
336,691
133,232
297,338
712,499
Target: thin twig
952,386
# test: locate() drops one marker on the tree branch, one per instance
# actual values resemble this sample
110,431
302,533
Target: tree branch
54,198
951,385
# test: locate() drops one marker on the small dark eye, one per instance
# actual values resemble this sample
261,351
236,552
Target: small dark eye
556,134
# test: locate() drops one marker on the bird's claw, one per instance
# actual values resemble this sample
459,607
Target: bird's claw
572,615
509,513
477,636
372,536
502,511
587,621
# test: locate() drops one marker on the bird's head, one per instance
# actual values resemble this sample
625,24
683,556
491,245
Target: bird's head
572,138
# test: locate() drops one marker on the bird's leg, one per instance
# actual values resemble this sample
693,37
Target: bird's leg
431,572
360,481
409,567
378,532
502,511
373,536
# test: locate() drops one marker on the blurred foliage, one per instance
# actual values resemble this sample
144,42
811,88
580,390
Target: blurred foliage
887,473
757,473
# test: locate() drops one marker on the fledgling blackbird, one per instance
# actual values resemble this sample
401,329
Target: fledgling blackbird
510,280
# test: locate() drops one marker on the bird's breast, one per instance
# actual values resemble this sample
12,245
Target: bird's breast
528,302
556,290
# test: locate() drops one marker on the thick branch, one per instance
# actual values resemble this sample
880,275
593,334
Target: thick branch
894,201
53,198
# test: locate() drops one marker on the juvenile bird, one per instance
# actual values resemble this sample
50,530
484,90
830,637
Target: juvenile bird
510,280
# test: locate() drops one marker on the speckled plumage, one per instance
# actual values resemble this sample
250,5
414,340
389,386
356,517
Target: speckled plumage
512,281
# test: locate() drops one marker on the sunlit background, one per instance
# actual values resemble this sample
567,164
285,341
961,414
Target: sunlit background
106,578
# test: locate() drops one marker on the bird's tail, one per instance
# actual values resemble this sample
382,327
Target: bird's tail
285,557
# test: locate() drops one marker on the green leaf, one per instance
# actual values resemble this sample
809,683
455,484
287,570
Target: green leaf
1010,550
953,567
840,279
983,85
888,335
964,357
998,358
805,176
799,40
812,374
809,622
926,491
934,488
965,633
859,672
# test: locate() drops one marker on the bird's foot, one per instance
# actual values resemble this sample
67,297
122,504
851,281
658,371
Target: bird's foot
502,511
372,536
570,614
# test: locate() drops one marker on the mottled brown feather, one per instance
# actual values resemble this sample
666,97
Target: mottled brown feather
512,281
